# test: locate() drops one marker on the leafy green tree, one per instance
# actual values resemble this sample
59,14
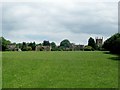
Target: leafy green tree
53,46
91,42
113,43
4,43
65,44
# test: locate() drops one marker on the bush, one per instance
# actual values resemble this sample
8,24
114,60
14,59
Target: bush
88,48
29,48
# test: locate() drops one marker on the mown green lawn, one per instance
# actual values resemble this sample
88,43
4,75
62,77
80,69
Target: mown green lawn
59,70
0,70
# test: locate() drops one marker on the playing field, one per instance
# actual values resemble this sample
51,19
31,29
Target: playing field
59,70
0,70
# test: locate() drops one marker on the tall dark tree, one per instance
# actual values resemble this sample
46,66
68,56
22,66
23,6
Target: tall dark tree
91,42
19,45
113,43
32,45
24,46
46,43
0,46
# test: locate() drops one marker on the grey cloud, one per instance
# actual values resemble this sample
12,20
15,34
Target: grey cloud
89,21
0,19
51,17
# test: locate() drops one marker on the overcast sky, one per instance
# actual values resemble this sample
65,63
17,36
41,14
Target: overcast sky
57,20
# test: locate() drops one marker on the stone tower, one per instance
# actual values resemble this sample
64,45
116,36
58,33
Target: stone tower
99,41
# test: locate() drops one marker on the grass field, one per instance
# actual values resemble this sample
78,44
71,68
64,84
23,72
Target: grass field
59,70
0,70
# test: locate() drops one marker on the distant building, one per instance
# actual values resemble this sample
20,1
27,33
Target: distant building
11,47
99,41
76,47
72,47
43,48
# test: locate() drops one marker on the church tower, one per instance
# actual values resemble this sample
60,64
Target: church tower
99,41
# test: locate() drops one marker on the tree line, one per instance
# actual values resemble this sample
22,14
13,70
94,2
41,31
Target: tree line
64,45
112,44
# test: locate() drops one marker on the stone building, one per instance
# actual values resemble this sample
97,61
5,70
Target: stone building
74,47
99,41
11,47
43,48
